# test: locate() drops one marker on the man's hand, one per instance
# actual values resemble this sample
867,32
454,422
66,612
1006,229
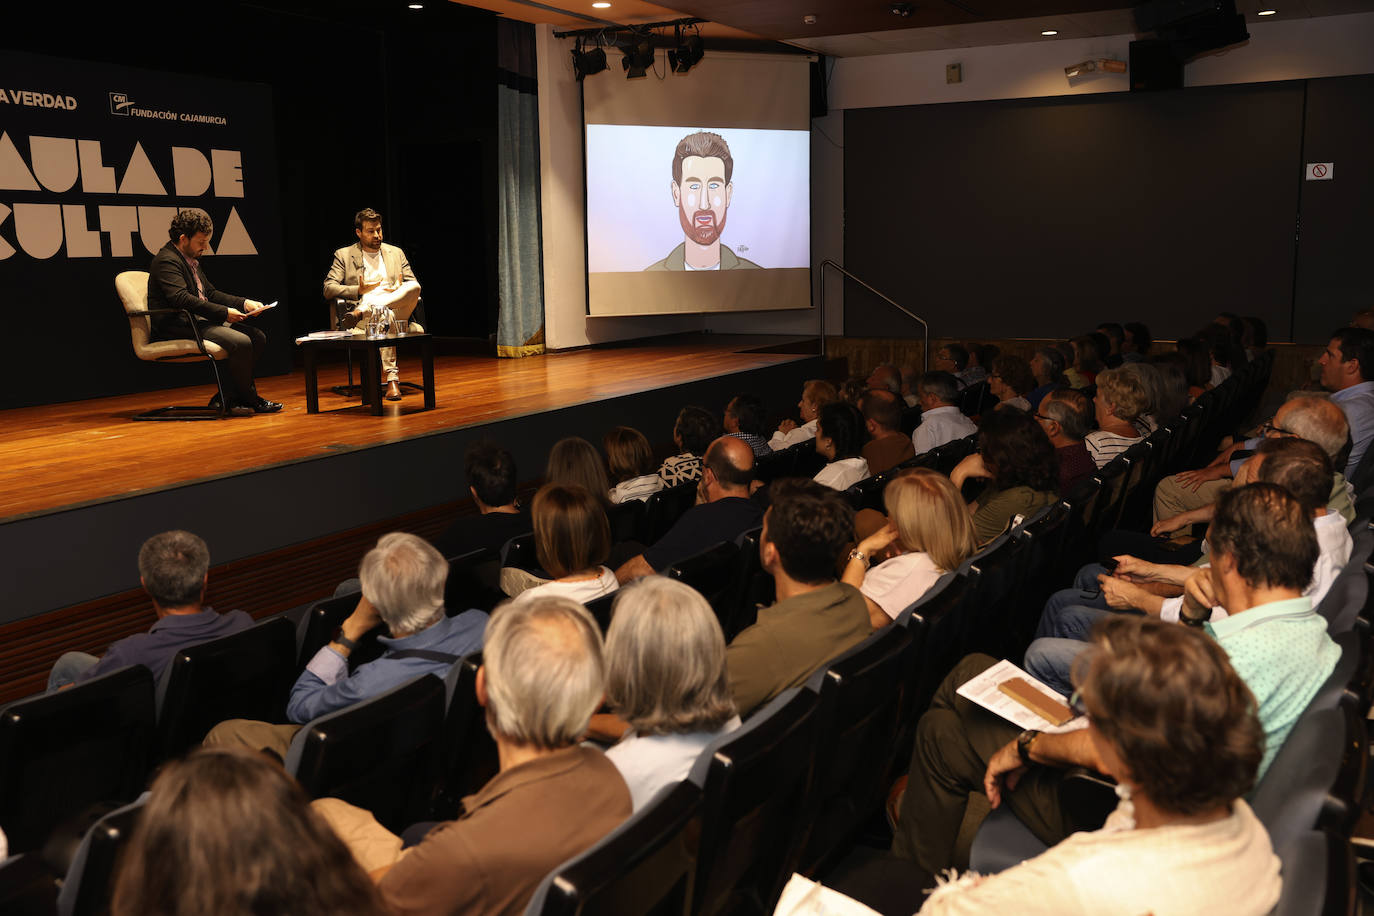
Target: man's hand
786,426
1199,595
252,306
1195,479
234,316
363,619
1004,771
1134,569
1119,594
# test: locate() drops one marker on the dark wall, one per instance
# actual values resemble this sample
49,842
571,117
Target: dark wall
375,105
1041,218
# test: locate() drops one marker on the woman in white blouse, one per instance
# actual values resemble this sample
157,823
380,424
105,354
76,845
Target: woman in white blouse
665,677
840,436
929,532
815,395
572,539
1177,728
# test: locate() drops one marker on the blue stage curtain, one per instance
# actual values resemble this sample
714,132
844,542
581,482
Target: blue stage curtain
519,256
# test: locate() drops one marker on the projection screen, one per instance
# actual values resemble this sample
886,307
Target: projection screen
699,187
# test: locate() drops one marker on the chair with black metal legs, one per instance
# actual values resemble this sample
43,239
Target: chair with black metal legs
132,286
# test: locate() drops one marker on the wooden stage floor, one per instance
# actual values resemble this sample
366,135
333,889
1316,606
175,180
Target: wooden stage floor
65,455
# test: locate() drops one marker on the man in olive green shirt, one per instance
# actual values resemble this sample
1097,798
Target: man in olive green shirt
805,534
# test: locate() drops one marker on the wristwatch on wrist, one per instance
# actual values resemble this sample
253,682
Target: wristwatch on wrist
1023,744
1189,621
859,555
343,640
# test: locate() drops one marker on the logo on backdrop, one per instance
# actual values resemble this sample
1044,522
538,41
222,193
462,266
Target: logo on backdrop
70,170
119,103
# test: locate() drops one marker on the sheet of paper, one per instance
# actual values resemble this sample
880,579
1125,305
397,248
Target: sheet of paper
983,691
802,897
323,335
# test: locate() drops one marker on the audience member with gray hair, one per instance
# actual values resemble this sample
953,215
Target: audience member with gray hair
173,568
402,589
1063,415
542,678
1047,365
665,677
941,419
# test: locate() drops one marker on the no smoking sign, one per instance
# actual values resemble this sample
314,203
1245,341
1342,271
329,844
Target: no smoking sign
1320,171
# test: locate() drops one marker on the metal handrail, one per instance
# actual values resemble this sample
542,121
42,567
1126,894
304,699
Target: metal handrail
925,341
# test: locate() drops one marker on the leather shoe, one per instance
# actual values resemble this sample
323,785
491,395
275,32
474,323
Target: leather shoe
393,390
265,406
238,410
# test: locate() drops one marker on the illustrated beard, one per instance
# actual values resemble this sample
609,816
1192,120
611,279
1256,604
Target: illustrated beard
707,234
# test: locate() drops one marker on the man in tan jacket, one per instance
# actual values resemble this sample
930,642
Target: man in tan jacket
371,275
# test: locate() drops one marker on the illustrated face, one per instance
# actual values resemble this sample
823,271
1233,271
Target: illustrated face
370,236
194,246
702,198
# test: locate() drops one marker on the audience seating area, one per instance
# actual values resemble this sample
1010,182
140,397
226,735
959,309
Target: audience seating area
792,790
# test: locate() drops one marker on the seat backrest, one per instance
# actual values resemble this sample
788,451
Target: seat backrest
712,573
519,552
381,754
1290,797
90,880
625,520
27,886
319,624
245,675
600,609
755,781
473,581
62,752
947,456
1343,602
664,508
1306,867
868,493
771,467
862,690
754,587
132,287
467,751
644,866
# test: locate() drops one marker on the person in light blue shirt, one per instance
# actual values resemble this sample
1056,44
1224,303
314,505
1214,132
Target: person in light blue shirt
402,587
1346,366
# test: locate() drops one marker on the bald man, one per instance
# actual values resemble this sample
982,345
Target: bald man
725,512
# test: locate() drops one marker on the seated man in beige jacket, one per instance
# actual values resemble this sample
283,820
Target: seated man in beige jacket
371,275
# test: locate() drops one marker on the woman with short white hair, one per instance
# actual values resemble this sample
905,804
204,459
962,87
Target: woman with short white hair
665,676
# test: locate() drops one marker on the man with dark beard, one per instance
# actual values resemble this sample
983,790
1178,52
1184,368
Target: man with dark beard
702,167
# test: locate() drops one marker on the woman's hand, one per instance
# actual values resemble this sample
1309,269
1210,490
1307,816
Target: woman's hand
786,426
877,541
972,466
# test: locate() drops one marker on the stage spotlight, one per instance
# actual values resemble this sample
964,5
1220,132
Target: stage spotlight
687,54
638,56
585,63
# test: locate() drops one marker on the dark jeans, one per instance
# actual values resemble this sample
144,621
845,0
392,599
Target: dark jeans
955,739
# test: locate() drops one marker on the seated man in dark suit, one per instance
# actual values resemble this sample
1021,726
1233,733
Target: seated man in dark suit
726,511
177,281
173,568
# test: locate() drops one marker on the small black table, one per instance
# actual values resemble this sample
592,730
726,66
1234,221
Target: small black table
371,365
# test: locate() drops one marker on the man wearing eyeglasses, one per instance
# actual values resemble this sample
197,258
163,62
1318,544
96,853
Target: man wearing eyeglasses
1264,547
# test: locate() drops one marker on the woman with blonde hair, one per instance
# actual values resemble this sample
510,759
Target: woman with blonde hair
931,528
226,831
665,677
1121,399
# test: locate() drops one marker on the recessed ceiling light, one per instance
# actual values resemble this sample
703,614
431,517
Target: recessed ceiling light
1266,12
1049,32
602,5
417,6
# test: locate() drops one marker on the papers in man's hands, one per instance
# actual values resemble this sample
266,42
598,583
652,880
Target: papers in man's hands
270,305
983,691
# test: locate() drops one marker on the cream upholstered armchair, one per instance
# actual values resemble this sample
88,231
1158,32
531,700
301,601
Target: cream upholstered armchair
132,286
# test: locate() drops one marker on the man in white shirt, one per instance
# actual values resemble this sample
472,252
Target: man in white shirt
371,275
941,419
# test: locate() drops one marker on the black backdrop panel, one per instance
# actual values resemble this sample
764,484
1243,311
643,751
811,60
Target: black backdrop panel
1042,218
1335,271
123,149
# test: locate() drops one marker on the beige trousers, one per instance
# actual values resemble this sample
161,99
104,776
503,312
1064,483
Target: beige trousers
260,736
372,845
1172,497
401,308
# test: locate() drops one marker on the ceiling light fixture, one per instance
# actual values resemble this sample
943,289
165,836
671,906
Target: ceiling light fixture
687,54
638,56
585,63
1266,12
601,5
417,6
1048,32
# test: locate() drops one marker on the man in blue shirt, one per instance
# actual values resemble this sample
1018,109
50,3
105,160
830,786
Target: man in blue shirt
1347,367
402,587
173,568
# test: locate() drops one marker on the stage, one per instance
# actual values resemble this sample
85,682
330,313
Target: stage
288,501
